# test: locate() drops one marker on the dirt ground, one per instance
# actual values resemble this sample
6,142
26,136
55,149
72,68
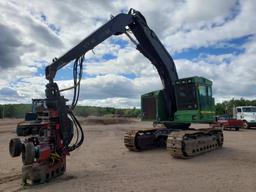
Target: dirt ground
104,164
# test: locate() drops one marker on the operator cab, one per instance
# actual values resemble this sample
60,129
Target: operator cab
194,100
193,93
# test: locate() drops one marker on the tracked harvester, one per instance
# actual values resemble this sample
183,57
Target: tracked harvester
194,104
48,130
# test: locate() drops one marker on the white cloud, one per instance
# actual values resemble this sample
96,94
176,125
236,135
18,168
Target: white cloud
243,24
112,88
117,102
128,60
9,95
31,87
235,79
28,38
203,12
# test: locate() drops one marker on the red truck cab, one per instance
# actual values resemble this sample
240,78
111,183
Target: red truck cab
227,122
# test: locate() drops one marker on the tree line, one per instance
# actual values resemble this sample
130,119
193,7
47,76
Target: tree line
19,110
226,107
14,110
86,111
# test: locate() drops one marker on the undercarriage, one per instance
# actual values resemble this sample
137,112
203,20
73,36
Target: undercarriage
180,143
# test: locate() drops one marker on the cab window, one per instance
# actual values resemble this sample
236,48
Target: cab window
203,96
202,90
209,91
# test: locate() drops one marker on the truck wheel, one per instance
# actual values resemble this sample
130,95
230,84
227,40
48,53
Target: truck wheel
237,128
245,125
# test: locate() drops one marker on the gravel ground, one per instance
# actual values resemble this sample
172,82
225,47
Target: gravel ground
104,164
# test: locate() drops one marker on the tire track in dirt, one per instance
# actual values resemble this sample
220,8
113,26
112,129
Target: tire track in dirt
9,178
6,131
7,183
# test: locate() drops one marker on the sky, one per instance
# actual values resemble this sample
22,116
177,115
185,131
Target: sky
211,38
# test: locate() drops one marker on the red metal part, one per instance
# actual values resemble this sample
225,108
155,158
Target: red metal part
44,152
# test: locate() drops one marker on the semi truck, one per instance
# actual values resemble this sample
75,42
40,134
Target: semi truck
247,114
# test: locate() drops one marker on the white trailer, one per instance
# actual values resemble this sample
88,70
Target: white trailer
247,114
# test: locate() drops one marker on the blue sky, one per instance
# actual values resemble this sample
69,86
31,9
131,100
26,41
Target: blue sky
233,46
216,41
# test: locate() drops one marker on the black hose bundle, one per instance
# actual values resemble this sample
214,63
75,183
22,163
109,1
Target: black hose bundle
78,127
77,75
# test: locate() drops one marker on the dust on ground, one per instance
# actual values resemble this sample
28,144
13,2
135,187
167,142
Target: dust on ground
104,164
